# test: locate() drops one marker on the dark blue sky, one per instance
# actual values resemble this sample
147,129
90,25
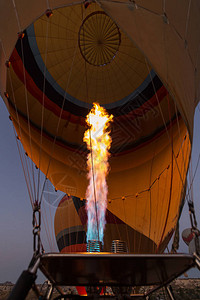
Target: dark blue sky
16,212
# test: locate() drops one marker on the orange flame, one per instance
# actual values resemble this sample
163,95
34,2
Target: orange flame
98,141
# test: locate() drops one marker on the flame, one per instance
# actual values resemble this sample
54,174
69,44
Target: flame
98,141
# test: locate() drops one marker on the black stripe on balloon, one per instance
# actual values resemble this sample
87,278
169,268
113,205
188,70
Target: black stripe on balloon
72,238
123,145
55,97
38,77
76,148
126,143
139,100
78,203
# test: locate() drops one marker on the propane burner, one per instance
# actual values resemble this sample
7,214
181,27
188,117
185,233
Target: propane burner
94,246
119,247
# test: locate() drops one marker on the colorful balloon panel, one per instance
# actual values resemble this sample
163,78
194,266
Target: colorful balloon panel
78,56
71,226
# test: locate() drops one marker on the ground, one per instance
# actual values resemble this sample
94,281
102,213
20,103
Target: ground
183,289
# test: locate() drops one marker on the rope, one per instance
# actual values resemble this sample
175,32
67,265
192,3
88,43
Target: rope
188,17
153,182
183,183
155,92
37,205
91,149
28,118
192,180
131,2
16,14
59,119
94,187
161,109
150,185
171,183
46,231
45,220
156,214
150,205
26,175
123,200
92,160
195,172
23,168
42,117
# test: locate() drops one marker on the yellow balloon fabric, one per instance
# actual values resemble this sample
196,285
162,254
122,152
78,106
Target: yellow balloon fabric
80,55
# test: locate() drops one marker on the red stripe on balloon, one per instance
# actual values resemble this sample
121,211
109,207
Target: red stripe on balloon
19,69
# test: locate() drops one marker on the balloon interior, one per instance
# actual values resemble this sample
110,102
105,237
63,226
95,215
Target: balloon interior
98,143
102,99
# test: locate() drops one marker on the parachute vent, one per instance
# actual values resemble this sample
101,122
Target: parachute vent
101,43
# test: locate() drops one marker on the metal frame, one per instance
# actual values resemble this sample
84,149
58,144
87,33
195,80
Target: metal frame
85,258
106,269
47,260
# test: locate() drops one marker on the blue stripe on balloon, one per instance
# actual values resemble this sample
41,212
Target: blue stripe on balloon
34,47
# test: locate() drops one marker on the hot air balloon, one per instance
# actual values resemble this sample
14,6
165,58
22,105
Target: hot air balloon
150,142
140,61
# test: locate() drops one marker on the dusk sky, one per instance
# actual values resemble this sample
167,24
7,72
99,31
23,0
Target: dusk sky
16,212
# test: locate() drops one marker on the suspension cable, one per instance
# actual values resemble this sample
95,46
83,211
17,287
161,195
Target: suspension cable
91,146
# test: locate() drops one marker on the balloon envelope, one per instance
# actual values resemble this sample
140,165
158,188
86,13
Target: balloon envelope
139,69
